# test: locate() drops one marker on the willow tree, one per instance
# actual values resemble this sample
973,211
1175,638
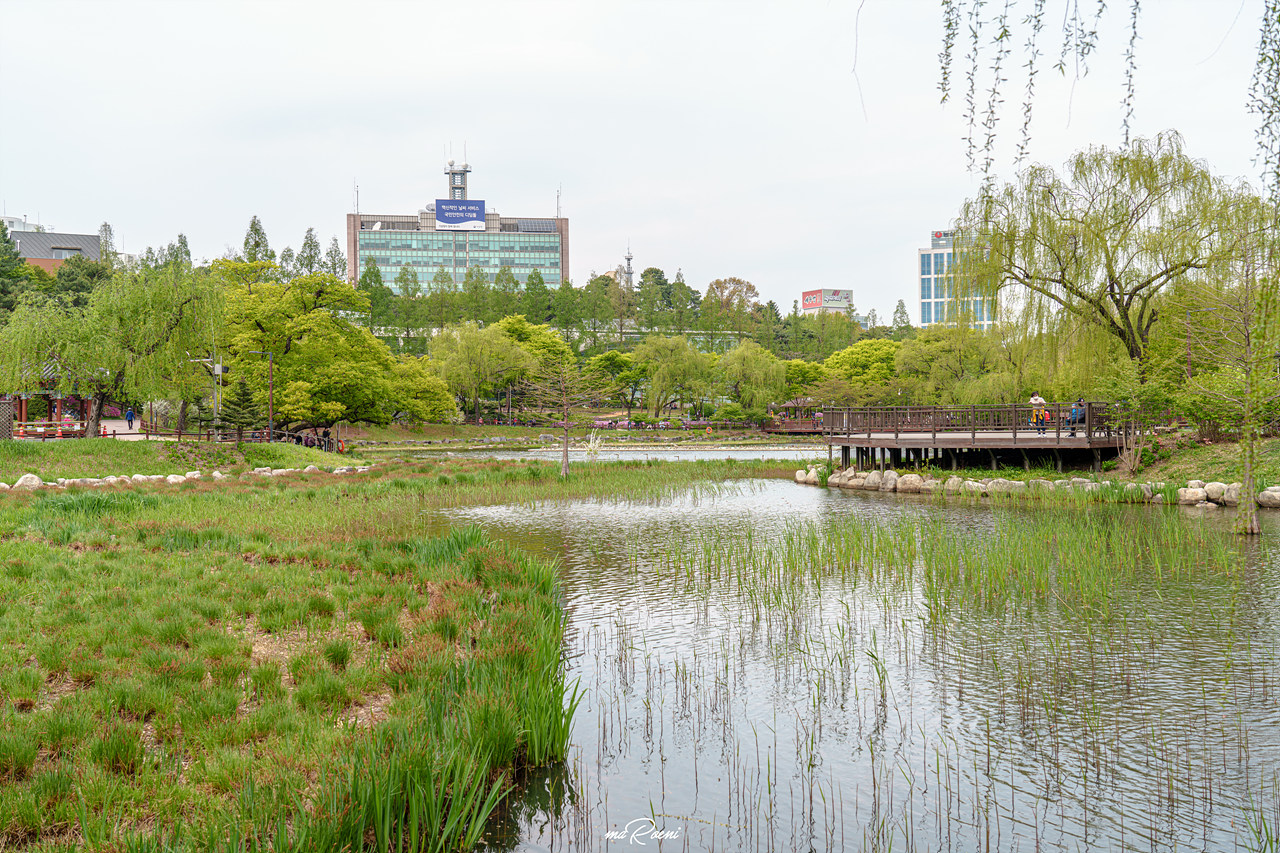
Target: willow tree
1232,325
132,340
1099,243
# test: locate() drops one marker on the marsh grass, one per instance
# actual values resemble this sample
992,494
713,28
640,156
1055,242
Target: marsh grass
298,666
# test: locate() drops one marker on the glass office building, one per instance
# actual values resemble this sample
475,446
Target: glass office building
486,240
939,301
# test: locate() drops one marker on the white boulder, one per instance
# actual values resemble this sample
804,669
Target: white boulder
27,482
1193,495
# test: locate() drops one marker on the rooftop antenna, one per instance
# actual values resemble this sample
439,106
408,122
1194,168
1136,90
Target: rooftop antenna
628,257
558,200
357,186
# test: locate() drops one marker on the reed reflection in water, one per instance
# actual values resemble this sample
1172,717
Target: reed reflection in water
774,667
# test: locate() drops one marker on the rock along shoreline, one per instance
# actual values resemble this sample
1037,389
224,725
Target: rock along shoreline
1195,493
31,482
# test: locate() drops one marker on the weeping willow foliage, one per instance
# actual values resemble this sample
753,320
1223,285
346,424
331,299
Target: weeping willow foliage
1097,245
987,31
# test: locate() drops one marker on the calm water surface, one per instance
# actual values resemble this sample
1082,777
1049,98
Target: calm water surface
718,714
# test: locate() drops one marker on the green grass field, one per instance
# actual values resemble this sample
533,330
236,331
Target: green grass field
284,663
101,457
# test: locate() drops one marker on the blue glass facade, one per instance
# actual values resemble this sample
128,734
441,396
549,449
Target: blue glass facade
428,251
939,302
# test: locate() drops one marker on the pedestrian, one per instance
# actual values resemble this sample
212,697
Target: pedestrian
128,417
328,445
1077,415
1038,412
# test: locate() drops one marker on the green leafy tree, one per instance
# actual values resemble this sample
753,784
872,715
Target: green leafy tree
868,363
1099,245
474,361
419,395
1237,329
753,376
326,368
801,374
535,302
129,341
256,247
674,368
728,304
626,378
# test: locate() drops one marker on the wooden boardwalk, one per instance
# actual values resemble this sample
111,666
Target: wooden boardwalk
957,435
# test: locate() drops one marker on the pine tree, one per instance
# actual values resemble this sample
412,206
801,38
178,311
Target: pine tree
256,247
287,270
107,244
901,320
535,304
12,270
309,259
240,410
335,262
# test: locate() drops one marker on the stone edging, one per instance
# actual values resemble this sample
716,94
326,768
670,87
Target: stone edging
31,482
1196,492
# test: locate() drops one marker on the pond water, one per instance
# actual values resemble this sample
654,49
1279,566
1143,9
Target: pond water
807,454
740,693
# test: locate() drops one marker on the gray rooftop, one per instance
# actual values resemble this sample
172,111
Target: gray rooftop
42,244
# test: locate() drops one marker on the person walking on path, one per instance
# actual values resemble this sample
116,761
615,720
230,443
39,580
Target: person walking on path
128,417
1037,412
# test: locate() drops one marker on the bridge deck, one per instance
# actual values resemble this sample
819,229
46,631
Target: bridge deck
975,427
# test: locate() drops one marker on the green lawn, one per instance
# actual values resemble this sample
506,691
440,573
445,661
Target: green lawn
100,457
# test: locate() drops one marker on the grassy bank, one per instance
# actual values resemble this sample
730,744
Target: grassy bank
217,664
100,457
286,662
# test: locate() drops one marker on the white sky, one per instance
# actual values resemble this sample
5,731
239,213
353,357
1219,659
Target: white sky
722,138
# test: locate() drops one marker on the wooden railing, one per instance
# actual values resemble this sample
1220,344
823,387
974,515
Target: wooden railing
45,430
1094,420
230,435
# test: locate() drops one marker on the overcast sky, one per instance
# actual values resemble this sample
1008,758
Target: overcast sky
794,144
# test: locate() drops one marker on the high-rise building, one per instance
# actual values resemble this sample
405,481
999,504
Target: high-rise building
456,233
939,301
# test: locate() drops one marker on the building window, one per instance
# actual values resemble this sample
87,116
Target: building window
926,288
926,313
62,254
939,263
925,266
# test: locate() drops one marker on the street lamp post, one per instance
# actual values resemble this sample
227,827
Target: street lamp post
271,408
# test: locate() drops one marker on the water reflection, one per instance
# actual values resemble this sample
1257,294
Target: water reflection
728,712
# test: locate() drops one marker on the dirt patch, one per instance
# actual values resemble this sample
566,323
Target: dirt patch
367,711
